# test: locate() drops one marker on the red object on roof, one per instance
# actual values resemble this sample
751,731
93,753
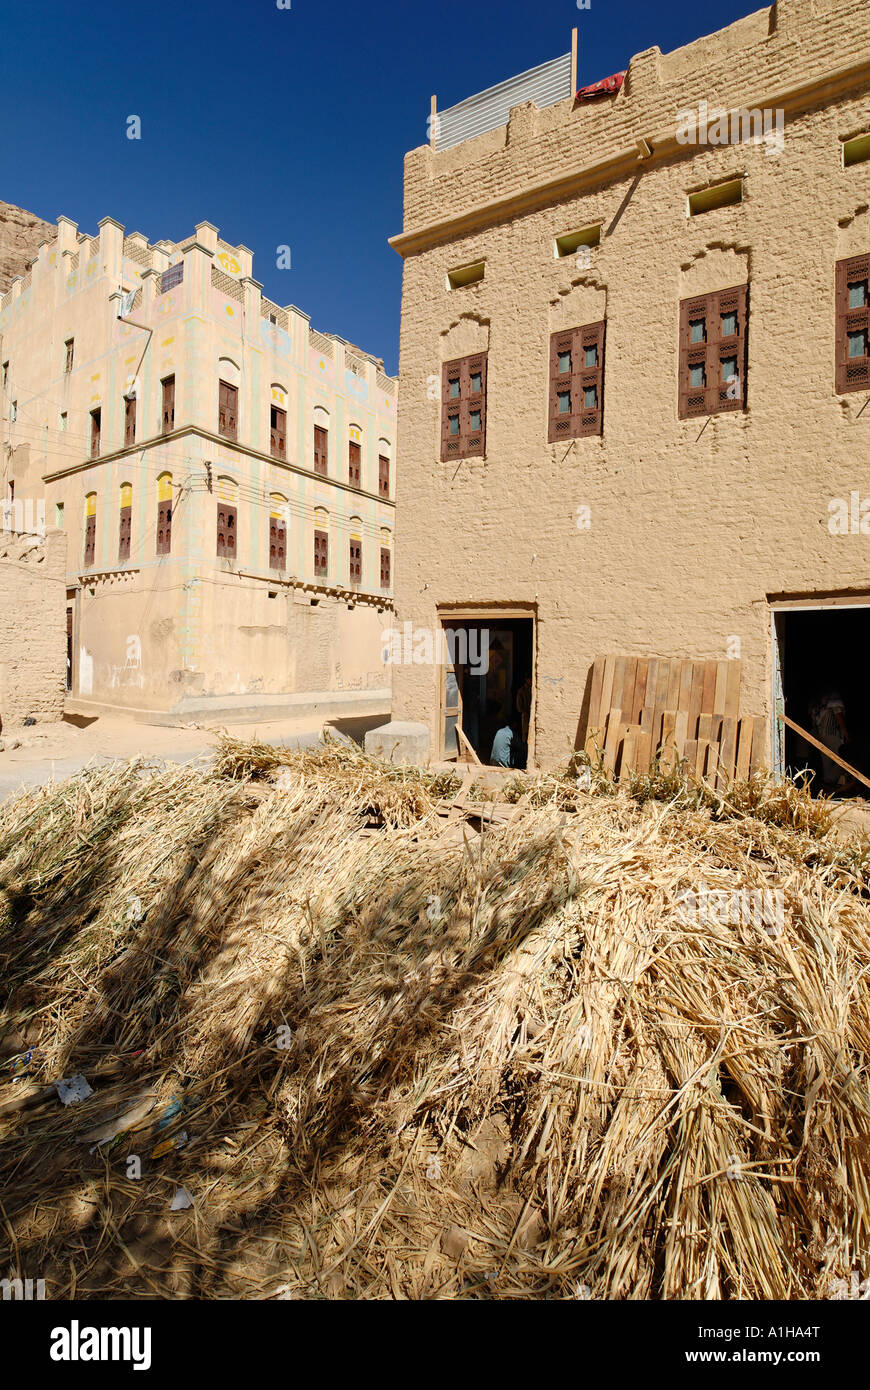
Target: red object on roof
605,88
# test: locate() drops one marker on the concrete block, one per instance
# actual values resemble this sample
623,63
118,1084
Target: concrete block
400,741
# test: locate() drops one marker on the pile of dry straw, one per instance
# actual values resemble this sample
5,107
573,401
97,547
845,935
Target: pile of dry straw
413,1063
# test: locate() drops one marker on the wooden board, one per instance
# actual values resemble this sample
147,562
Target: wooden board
744,747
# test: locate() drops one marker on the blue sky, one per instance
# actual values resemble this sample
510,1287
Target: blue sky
282,127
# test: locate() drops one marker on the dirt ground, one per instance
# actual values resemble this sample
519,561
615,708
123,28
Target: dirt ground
50,752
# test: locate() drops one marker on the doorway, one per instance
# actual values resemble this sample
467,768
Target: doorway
487,684
820,671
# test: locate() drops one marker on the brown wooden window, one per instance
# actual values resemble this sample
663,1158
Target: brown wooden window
383,476
576,404
124,533
277,432
355,562
321,450
385,567
70,346
164,528
853,324
321,554
226,531
96,427
90,537
228,404
129,420
463,407
354,463
713,332
277,543
168,423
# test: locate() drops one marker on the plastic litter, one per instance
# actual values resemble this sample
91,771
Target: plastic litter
182,1200
73,1089
173,1108
177,1141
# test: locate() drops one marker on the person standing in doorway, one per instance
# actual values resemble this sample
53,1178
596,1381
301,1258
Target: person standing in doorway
828,720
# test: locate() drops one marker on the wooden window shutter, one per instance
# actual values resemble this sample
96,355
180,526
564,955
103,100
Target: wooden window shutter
722,393
383,476
168,422
385,567
852,373
226,531
355,561
715,393
321,553
451,410
124,533
321,450
354,463
589,379
96,417
278,432
562,424
463,407
474,406
164,528
129,420
90,538
277,543
228,400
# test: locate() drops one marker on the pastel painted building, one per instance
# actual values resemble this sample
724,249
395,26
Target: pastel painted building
225,476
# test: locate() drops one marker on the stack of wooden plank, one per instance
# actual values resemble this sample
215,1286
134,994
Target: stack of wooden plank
643,710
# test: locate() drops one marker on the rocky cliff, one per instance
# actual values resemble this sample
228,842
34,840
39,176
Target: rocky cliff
20,235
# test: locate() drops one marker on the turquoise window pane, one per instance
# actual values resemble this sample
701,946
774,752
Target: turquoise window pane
729,325
564,362
475,383
592,356
475,421
696,375
454,390
564,399
696,331
590,398
729,368
453,427
858,344
858,295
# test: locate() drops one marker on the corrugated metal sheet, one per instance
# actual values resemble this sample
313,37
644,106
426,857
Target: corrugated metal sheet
544,85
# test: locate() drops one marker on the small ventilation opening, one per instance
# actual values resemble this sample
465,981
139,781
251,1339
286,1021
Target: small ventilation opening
856,151
587,236
721,195
465,275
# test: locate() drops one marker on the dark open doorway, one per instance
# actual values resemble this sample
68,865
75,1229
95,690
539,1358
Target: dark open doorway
823,662
487,688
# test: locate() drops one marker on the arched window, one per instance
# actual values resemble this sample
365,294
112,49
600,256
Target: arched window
278,421
355,552
164,514
354,456
385,454
125,522
90,527
229,379
227,518
386,557
278,512
321,440
321,542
